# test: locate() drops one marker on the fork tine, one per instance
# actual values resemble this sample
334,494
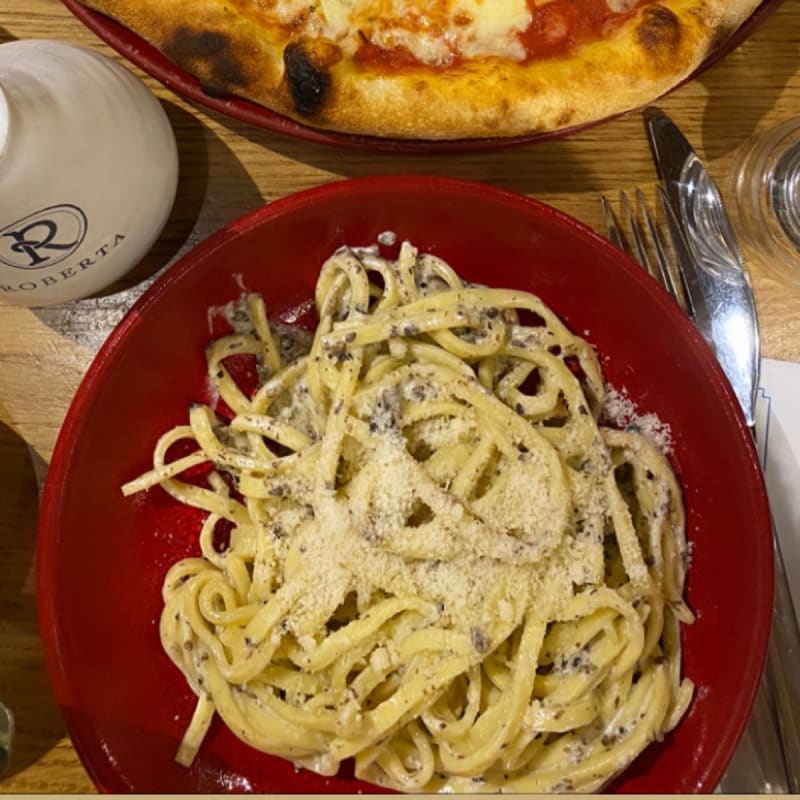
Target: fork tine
612,224
639,251
677,240
664,272
646,238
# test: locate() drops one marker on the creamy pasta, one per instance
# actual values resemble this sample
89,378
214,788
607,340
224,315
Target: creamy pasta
440,563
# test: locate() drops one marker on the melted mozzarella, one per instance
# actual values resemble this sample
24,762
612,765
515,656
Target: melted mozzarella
494,27
434,32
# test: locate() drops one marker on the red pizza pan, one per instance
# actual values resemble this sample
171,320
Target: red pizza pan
158,66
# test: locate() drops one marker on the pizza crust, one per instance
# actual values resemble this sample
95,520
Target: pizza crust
313,82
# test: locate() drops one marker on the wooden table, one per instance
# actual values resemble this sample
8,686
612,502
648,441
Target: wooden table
229,168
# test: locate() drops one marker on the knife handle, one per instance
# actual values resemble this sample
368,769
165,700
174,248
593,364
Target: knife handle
6,736
767,758
758,765
783,669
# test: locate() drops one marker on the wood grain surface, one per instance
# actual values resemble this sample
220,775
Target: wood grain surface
229,168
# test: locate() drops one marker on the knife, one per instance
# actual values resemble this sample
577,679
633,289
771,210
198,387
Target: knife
716,283
718,290
6,736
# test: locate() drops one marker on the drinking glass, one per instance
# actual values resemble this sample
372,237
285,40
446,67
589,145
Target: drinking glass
765,182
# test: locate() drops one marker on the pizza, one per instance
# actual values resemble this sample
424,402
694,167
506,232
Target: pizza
436,69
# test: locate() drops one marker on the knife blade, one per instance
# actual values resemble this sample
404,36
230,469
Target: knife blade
716,280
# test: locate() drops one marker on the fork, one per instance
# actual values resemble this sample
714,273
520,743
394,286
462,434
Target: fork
653,259
767,750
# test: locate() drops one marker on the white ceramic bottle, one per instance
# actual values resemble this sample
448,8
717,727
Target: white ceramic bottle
88,171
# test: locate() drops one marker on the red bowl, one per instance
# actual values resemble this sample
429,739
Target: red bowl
102,557
157,65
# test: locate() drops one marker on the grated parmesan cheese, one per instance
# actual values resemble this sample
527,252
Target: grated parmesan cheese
621,412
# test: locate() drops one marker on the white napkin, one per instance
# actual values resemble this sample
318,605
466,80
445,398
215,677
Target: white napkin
778,434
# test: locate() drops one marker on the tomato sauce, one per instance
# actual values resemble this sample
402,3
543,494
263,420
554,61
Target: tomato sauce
393,58
560,26
557,28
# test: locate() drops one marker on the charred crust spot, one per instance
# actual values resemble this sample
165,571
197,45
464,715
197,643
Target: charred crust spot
210,55
197,44
565,117
308,81
659,32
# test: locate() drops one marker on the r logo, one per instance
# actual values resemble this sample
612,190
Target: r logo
43,238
